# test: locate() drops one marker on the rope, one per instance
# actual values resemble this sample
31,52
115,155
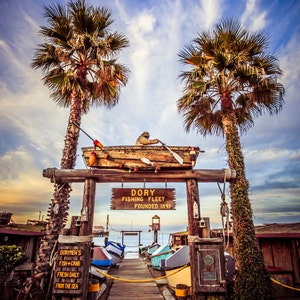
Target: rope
284,285
224,211
140,280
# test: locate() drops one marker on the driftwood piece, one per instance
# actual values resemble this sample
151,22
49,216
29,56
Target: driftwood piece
133,157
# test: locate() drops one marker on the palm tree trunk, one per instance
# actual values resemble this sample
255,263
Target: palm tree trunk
57,212
252,280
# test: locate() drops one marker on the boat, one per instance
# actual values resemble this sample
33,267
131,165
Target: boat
176,267
141,158
98,272
160,253
179,275
101,258
147,250
116,251
152,248
179,258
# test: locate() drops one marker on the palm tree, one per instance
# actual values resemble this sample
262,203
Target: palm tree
79,61
232,80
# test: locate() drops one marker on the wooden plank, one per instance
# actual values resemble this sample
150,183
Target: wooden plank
88,204
102,176
192,192
130,157
134,269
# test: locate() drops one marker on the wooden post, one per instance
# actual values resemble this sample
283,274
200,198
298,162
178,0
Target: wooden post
87,214
74,227
193,206
155,236
88,204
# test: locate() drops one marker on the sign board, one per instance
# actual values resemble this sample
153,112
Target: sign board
209,262
70,275
143,199
131,233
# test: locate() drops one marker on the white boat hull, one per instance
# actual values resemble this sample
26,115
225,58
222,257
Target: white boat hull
179,258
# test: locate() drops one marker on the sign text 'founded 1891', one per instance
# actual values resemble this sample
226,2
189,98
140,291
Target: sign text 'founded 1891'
143,199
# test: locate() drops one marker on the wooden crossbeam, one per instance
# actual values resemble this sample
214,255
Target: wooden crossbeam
105,175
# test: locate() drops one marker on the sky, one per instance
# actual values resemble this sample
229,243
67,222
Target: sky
33,127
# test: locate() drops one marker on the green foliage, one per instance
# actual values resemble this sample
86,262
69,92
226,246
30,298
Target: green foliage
229,72
10,257
79,55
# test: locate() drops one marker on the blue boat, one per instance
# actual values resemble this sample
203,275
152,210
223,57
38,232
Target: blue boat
116,251
101,258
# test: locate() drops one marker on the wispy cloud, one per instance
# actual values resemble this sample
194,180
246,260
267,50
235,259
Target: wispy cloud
32,126
254,15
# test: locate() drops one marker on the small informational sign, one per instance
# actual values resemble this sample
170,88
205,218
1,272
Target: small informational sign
131,233
143,199
70,275
209,274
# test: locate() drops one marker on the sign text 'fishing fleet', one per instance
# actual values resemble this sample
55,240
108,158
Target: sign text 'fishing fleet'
143,199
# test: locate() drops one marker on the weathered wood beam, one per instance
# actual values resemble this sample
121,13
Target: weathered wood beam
192,193
88,204
105,175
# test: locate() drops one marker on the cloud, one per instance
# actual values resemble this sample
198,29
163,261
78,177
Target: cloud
22,186
254,15
258,156
32,126
283,209
209,12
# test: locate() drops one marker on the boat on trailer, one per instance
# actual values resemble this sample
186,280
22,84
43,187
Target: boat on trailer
141,158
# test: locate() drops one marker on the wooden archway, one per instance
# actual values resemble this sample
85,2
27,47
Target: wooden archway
91,177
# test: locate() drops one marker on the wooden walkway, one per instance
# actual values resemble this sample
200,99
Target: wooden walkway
134,269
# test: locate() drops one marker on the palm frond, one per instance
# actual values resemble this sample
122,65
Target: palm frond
79,55
229,63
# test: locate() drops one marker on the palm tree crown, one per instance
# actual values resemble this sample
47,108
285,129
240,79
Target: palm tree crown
79,55
230,73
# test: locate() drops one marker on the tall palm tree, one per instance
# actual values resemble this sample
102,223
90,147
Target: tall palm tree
230,81
79,61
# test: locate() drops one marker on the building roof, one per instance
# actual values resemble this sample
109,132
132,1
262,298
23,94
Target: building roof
22,229
278,230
